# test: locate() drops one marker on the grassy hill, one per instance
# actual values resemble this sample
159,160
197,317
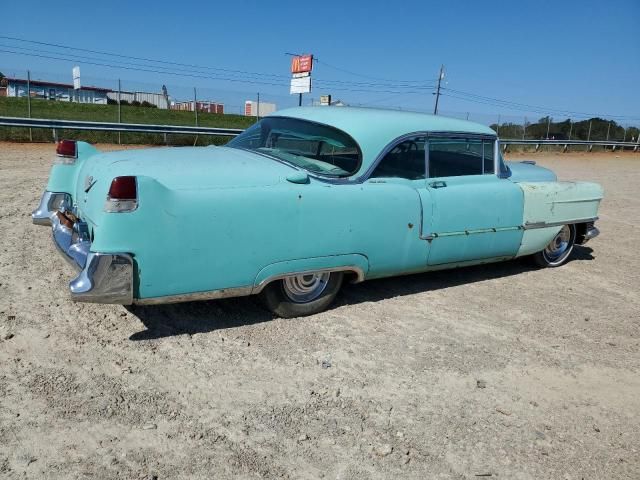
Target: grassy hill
17,107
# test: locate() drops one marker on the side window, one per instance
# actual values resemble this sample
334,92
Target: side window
488,155
405,160
458,156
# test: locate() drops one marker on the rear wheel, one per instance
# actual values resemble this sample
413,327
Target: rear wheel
301,295
559,250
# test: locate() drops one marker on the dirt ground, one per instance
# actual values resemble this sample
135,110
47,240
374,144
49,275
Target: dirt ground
496,371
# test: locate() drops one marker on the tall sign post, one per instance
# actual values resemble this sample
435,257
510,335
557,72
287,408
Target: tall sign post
301,66
76,82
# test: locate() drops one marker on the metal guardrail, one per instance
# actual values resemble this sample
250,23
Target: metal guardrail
505,142
232,132
115,127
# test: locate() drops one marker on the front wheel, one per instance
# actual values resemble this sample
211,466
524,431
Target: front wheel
301,295
559,250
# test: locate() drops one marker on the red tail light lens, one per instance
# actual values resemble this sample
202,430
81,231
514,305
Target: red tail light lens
123,195
67,148
123,188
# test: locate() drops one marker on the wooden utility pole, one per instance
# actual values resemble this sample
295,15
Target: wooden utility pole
440,77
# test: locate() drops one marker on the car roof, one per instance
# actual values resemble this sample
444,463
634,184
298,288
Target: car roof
375,128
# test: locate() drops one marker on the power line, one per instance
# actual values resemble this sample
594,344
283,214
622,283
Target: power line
191,67
149,70
476,98
68,47
344,70
164,70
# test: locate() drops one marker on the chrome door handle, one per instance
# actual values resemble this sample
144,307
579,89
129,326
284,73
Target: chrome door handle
438,184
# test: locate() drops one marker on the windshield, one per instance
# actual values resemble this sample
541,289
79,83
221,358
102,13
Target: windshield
317,148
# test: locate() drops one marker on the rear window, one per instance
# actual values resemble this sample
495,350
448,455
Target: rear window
317,148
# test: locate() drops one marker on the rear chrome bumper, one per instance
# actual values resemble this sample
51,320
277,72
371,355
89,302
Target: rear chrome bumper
103,277
50,203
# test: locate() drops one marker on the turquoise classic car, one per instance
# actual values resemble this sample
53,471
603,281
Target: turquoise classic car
299,203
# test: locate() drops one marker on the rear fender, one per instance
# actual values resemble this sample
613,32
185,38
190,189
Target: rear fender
63,177
351,263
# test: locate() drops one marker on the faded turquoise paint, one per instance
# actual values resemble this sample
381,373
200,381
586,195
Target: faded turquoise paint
220,218
198,240
475,217
555,202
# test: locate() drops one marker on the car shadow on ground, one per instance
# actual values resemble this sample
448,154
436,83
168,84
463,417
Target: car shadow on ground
207,316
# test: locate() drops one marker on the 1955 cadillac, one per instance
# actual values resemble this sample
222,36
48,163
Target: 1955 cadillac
299,203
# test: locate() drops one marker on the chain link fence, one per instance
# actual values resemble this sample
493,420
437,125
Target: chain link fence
36,95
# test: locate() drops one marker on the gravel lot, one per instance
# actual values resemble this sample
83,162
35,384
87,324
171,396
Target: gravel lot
495,371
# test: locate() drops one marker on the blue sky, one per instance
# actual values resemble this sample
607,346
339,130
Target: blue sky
578,56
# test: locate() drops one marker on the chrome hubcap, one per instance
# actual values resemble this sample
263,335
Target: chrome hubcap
559,246
305,288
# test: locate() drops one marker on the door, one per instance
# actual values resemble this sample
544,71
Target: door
476,215
401,174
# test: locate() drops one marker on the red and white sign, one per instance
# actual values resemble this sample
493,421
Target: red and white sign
302,64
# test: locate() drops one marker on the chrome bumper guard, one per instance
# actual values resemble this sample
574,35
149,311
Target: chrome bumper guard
50,203
103,277
590,232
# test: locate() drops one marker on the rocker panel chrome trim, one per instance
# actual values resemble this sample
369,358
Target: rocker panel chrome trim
196,296
532,225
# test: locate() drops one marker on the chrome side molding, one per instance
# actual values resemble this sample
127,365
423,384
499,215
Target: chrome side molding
531,225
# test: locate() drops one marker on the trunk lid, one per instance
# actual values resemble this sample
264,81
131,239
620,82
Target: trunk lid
187,168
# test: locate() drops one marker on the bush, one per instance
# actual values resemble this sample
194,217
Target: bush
148,105
135,103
